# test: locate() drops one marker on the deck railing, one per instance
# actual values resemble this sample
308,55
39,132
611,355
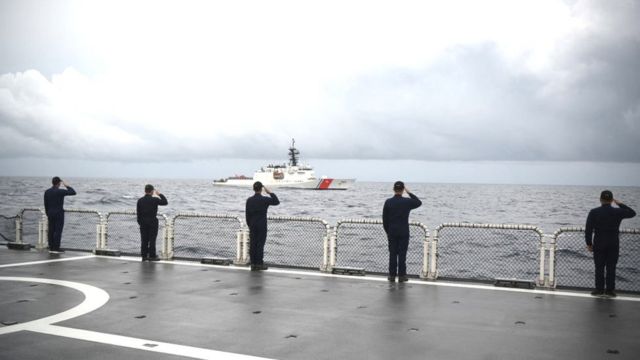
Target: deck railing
471,251
197,235
478,252
571,266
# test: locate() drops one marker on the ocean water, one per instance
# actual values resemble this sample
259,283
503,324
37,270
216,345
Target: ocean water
462,253
548,207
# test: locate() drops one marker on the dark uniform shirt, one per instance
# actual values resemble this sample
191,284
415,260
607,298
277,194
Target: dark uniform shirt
54,199
256,209
395,214
605,222
147,208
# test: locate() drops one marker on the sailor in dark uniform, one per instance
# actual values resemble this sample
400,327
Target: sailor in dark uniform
53,207
395,219
256,215
147,213
605,221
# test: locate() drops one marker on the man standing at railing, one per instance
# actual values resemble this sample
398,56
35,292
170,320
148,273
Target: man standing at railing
256,215
395,219
147,213
605,222
53,207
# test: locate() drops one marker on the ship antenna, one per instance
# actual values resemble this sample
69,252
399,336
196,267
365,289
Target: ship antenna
293,154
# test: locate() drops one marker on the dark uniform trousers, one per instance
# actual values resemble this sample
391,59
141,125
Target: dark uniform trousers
56,224
606,258
398,246
257,240
148,235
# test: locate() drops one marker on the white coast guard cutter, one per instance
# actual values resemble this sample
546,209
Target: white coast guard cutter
291,175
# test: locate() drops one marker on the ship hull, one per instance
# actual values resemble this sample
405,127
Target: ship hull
316,184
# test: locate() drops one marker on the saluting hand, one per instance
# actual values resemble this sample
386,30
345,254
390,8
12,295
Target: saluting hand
266,190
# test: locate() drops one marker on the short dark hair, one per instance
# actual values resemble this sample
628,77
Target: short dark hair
398,186
257,186
56,180
148,188
606,195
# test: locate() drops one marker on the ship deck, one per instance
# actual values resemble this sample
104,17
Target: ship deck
81,306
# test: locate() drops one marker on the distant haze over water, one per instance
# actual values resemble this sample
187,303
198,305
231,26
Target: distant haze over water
469,172
546,206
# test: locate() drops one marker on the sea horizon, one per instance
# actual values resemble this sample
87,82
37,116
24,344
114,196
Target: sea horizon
570,173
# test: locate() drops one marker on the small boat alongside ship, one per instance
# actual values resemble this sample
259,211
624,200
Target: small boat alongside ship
291,175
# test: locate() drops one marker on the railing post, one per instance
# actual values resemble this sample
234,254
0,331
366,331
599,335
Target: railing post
425,258
433,263
167,238
19,229
333,248
165,243
99,232
43,233
40,243
98,236
551,280
245,246
104,234
325,252
541,275
239,246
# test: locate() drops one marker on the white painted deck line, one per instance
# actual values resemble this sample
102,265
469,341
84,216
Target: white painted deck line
47,261
94,299
142,344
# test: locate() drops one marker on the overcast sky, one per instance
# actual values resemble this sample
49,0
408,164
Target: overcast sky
116,84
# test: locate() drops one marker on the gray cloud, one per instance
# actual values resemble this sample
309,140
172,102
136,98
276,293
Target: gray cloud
472,103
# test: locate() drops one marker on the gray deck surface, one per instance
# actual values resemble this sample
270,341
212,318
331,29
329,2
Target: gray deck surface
331,317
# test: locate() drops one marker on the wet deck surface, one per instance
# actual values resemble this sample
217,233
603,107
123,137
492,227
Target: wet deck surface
156,310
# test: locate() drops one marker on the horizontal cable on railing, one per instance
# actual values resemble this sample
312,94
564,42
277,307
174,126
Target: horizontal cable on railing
22,211
360,221
490,226
294,218
120,212
205,215
581,229
84,211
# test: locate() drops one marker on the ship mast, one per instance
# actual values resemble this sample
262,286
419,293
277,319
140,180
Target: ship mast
293,154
